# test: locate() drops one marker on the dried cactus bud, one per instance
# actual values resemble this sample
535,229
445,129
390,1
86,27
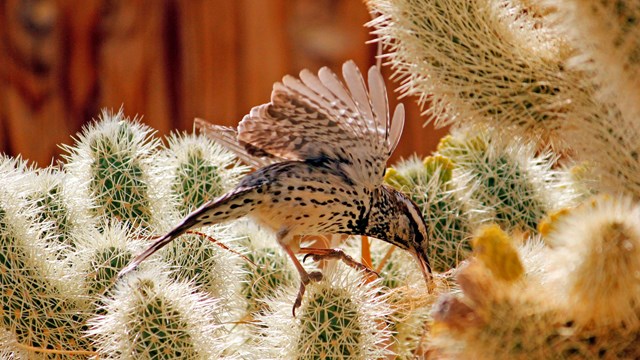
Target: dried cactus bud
495,249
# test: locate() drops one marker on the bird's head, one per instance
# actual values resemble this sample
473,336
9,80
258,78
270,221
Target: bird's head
396,219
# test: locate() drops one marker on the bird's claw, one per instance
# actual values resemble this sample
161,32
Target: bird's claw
326,254
298,301
315,276
304,281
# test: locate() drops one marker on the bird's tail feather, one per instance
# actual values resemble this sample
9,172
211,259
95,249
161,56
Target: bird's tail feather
227,207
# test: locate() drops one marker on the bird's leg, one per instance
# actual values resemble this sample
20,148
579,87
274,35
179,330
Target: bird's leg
283,238
324,254
305,277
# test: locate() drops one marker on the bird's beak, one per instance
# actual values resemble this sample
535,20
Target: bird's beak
425,266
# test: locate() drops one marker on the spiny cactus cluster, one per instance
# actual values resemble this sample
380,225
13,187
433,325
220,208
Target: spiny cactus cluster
67,231
531,205
114,160
473,179
555,72
583,304
605,36
199,170
543,96
218,292
450,220
599,237
484,62
402,281
270,269
39,306
150,317
341,317
61,213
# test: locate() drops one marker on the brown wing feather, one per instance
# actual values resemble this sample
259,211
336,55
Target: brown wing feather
318,116
228,137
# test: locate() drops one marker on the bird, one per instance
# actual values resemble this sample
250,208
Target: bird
320,148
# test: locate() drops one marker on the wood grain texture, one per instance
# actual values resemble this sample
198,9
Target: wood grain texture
33,106
132,61
169,61
207,64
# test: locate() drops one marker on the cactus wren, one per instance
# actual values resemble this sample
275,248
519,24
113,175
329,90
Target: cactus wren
321,150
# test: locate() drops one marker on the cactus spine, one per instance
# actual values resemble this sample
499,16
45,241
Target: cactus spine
59,207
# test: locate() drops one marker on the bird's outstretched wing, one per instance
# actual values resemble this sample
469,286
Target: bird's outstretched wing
228,137
320,116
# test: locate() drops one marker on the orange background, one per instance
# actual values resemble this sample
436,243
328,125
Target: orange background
61,61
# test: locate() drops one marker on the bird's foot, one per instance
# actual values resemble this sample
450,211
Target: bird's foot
331,254
305,279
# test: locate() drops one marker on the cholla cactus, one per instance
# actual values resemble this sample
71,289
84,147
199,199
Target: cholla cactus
150,317
496,320
507,74
40,308
596,262
198,170
607,37
446,210
58,205
500,315
486,62
571,312
402,282
273,268
504,65
340,318
213,270
609,143
113,157
101,254
514,186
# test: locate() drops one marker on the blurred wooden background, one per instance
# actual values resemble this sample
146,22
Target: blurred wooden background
169,61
